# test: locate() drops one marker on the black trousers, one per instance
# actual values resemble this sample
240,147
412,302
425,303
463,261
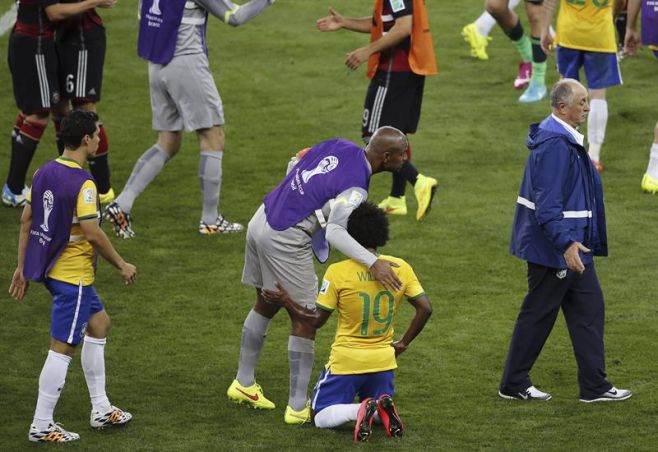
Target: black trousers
581,300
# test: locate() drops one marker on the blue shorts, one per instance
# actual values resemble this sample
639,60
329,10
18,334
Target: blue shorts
337,389
72,307
601,69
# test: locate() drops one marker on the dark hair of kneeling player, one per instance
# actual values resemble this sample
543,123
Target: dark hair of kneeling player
368,225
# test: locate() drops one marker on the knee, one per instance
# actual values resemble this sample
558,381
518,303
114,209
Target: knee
212,139
321,419
99,325
170,142
496,8
303,329
534,14
38,119
62,347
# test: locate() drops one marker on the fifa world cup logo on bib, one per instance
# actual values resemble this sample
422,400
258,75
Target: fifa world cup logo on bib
48,202
327,164
155,8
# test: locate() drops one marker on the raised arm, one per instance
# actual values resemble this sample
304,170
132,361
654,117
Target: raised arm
232,14
423,312
334,21
61,11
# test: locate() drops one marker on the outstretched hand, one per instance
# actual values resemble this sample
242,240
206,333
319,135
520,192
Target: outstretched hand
18,286
383,272
107,3
332,22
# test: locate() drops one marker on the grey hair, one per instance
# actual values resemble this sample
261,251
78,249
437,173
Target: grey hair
562,92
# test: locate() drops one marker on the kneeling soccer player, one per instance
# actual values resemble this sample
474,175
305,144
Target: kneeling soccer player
363,354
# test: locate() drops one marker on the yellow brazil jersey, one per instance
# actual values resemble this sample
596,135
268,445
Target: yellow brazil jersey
586,25
365,315
76,263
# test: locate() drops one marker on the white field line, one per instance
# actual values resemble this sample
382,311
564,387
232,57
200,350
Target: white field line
7,20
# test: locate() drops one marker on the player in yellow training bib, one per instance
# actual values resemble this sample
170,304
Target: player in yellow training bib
364,353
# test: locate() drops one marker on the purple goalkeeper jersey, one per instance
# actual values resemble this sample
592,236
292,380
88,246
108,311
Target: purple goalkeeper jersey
158,29
55,190
650,22
327,170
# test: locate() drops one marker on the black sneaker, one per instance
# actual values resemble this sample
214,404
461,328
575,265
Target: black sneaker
122,222
389,416
611,395
531,393
364,418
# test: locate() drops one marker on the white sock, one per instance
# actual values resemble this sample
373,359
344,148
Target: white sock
596,124
147,167
51,383
336,415
652,169
254,332
301,352
93,366
210,179
486,21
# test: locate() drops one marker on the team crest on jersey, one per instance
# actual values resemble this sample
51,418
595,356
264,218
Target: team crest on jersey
397,5
89,196
561,273
356,198
48,203
325,287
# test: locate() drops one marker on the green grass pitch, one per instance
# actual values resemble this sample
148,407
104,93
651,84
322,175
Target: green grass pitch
174,345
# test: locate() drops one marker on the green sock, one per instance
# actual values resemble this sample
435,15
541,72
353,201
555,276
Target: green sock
525,48
539,72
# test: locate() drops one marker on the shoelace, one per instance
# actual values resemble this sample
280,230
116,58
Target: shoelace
223,223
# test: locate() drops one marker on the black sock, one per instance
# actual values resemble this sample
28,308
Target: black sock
100,169
408,173
620,23
22,151
399,185
515,33
538,55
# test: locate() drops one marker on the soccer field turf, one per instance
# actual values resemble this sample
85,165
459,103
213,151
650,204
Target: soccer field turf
173,348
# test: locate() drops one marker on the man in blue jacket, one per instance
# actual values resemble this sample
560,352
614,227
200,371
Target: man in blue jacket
559,225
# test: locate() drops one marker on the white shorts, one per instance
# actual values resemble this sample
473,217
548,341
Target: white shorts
184,95
280,256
